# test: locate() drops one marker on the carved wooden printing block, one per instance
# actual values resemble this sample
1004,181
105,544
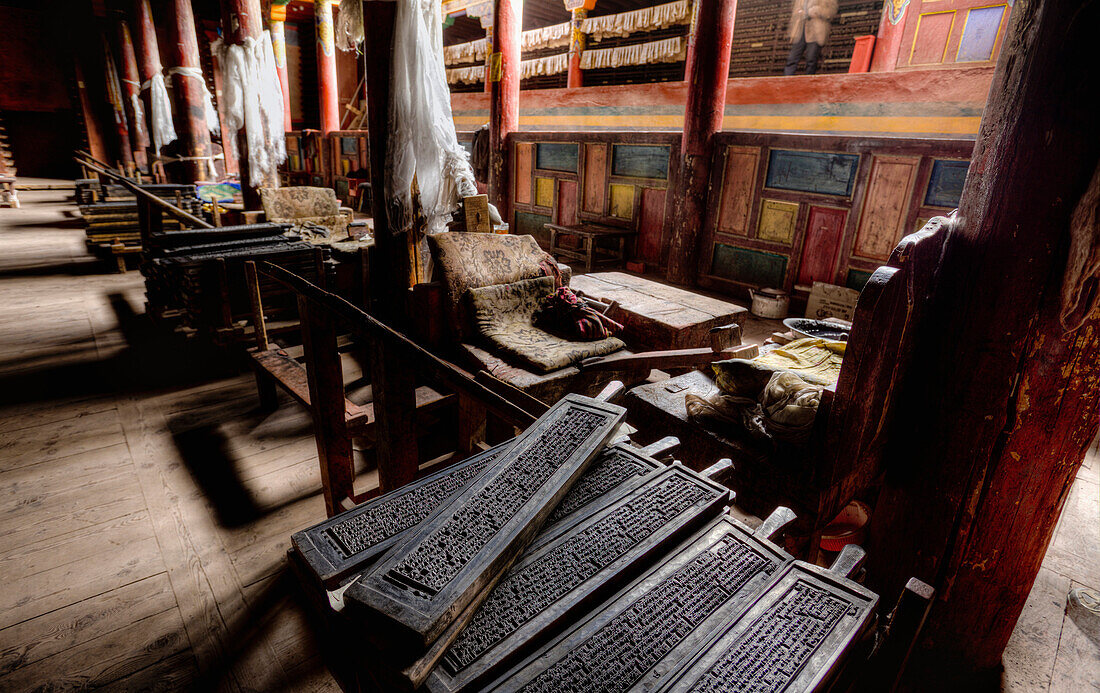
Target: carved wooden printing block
637,637
441,566
789,640
574,569
343,545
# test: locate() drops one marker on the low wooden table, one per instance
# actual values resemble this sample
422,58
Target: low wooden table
655,315
591,252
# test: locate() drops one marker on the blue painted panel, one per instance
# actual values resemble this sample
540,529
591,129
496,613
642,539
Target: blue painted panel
857,279
640,161
557,156
813,172
980,34
748,266
532,225
349,146
945,185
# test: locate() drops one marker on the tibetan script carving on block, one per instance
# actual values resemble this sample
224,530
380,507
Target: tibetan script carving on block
578,567
441,566
635,639
344,544
790,640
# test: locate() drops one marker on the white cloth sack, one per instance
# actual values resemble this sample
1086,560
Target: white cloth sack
163,131
253,99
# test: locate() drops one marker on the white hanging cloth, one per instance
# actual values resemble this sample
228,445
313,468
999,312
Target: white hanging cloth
466,75
349,25
471,51
546,65
646,19
163,131
422,142
253,99
546,37
208,100
665,51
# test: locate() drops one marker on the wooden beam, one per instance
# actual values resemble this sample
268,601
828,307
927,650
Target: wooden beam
146,195
1001,400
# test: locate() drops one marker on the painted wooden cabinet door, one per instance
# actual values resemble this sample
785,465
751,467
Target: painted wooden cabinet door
651,225
595,177
567,202
943,32
738,183
824,231
882,221
523,171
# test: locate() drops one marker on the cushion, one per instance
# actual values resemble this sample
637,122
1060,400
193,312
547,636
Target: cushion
474,260
502,314
298,202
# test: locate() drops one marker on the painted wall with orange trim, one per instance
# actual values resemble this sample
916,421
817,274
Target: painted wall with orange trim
939,103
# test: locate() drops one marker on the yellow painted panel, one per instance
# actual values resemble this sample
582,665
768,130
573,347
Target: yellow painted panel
777,220
622,201
544,192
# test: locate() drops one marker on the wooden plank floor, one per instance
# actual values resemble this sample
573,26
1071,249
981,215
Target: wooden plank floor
146,506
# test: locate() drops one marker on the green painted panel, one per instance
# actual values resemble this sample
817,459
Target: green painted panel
857,278
532,225
557,156
640,161
748,266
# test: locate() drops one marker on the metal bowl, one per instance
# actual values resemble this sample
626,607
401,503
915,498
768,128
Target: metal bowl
805,327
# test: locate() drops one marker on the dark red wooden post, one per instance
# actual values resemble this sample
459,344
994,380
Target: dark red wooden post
148,56
242,19
328,87
706,103
277,26
189,92
131,88
503,75
1002,396
488,51
116,98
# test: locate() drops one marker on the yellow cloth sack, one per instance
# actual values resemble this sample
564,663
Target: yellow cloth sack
815,360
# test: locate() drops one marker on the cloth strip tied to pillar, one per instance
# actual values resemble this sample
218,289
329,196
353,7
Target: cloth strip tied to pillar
211,112
139,112
253,99
163,131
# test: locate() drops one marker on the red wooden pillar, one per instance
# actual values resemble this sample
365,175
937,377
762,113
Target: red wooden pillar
503,77
579,11
118,109
888,42
189,91
148,56
131,88
706,102
328,87
277,26
229,159
241,20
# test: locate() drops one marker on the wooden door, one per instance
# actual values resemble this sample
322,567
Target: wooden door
567,202
824,231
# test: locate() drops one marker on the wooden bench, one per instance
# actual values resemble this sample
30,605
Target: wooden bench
590,235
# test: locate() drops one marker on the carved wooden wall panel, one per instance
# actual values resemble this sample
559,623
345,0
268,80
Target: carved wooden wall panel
595,177
525,152
821,249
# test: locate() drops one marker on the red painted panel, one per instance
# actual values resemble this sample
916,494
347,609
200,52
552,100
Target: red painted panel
651,222
738,184
567,202
824,231
523,179
595,177
930,41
